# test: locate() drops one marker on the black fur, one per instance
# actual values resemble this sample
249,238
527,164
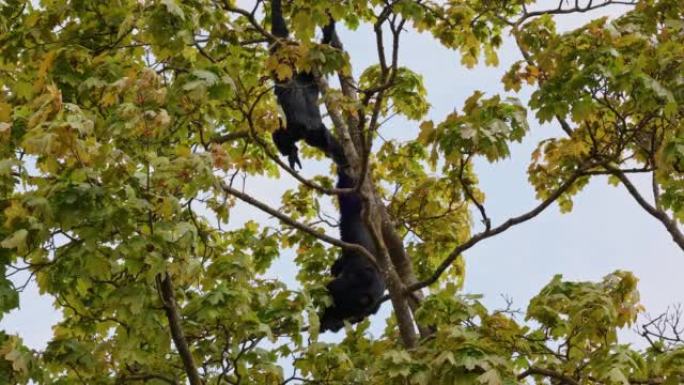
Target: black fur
298,98
358,285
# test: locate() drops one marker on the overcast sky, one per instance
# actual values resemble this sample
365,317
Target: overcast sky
606,231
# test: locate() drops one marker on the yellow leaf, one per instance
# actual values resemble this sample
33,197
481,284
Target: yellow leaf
166,209
533,70
108,99
183,151
17,360
427,129
271,63
15,211
283,72
16,241
5,112
38,117
46,63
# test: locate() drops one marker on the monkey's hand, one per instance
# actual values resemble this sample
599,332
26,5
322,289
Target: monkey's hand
286,146
293,158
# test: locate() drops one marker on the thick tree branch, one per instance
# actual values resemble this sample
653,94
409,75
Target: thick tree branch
395,286
670,224
342,130
401,262
166,292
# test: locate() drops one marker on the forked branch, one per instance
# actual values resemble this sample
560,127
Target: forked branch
488,233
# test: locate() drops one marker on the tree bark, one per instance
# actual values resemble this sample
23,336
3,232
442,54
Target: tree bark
403,265
395,286
177,334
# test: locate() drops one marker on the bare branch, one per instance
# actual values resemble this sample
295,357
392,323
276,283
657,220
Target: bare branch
670,224
576,9
297,225
623,170
250,17
667,329
449,260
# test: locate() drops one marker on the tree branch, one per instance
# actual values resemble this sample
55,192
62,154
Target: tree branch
623,170
669,223
548,373
496,230
576,9
173,315
469,194
230,137
146,377
299,226
341,129
395,286
250,17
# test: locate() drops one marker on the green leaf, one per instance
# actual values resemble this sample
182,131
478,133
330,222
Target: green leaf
174,8
490,377
16,241
616,375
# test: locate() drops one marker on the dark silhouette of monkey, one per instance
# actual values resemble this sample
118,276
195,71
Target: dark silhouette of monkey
358,285
298,98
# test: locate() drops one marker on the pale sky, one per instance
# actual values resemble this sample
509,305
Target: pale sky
606,230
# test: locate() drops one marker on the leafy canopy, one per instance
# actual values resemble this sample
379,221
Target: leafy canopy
123,123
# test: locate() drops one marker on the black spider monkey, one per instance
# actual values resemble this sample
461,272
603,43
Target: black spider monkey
358,285
298,98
